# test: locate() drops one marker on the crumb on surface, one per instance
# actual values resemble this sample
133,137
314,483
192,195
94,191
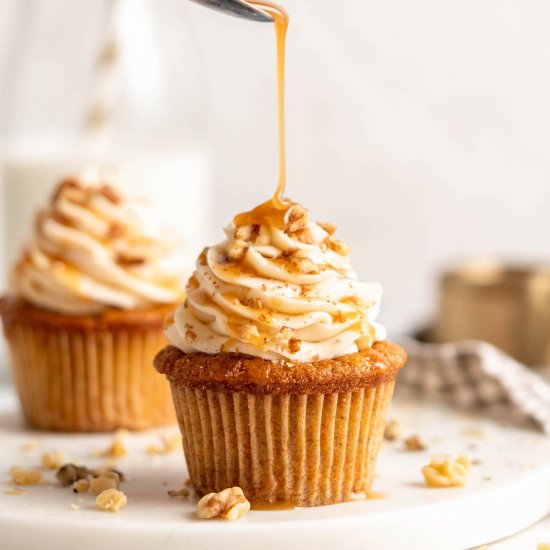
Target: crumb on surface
15,491
180,493
81,486
74,507
166,445
415,443
30,445
117,448
443,471
51,460
393,430
111,500
25,476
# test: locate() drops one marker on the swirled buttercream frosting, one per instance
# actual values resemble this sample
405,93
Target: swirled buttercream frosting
93,249
279,287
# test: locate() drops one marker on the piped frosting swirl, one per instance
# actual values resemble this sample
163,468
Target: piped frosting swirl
93,249
279,291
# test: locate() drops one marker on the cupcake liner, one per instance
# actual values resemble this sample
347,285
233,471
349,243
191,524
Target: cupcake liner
307,450
84,379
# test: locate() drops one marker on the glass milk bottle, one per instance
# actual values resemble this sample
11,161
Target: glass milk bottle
119,89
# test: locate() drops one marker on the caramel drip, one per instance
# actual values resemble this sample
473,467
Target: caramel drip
265,506
272,212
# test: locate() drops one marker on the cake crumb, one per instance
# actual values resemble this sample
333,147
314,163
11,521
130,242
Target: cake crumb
443,471
181,493
228,504
117,449
415,443
543,546
107,480
393,430
168,444
111,500
30,446
15,491
52,460
75,507
25,476
81,486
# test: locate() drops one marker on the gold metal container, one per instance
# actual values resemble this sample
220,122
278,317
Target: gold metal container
507,305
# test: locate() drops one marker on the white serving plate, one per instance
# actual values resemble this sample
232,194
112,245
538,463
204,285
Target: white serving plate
509,490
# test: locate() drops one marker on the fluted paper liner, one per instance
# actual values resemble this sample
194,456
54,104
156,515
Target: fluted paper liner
308,450
85,379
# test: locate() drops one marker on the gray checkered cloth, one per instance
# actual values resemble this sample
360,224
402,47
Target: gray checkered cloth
477,376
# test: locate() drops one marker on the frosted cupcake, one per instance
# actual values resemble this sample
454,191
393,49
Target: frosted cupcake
84,312
281,377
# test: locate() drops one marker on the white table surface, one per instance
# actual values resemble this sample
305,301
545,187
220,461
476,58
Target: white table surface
527,539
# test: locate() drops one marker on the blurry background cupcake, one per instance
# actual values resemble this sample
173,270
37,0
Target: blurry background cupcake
85,308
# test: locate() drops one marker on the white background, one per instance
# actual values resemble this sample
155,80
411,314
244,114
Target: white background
420,128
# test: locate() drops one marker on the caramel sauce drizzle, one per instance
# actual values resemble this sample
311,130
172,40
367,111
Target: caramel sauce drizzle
272,212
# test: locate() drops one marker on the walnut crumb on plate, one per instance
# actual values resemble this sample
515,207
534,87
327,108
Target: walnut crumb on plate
443,471
228,504
15,491
52,460
25,476
111,500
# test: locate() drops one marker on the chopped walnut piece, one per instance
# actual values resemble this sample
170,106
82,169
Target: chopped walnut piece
236,249
393,430
248,332
111,500
53,460
263,236
289,252
303,236
296,217
168,445
117,449
415,443
243,232
81,486
227,504
110,194
25,476
305,265
255,303
125,260
294,345
14,491
108,480
181,493
63,187
70,473
443,471
190,336
115,231
340,247
330,228
202,256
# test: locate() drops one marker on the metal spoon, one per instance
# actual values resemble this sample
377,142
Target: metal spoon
239,8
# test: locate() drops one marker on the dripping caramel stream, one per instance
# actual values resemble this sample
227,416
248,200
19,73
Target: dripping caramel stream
272,212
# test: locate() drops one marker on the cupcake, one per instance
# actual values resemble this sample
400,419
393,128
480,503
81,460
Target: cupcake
280,376
84,312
